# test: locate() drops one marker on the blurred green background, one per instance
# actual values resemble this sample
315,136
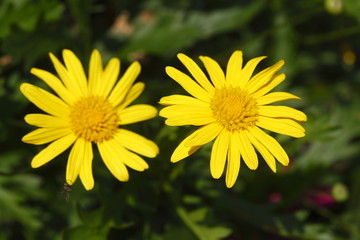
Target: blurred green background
316,197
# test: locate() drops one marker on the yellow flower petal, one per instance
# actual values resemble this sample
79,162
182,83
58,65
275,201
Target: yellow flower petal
114,164
283,126
136,113
109,77
215,72
233,69
263,77
247,151
196,72
134,161
45,135
268,157
188,84
66,78
95,72
133,94
136,143
128,158
197,121
271,145
233,162
179,115
52,150
281,112
204,135
86,175
76,160
182,100
46,121
183,151
55,84
246,73
275,97
122,87
270,86
75,71
45,100
218,154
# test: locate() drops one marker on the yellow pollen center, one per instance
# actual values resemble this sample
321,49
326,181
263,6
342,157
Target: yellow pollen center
234,109
94,119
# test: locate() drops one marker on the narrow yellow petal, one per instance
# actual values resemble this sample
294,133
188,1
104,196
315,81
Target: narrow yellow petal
122,87
246,73
263,77
275,97
215,72
188,84
268,157
45,135
55,84
194,121
86,175
271,145
270,86
46,121
136,113
95,72
44,100
66,78
133,94
131,159
52,150
233,163
218,154
179,115
113,161
204,135
183,151
283,126
198,121
184,110
247,151
76,71
182,100
109,77
136,143
75,160
196,72
282,112
233,69
134,161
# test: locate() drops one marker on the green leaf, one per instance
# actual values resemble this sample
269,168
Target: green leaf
52,10
88,233
192,221
352,8
174,30
38,44
329,144
27,17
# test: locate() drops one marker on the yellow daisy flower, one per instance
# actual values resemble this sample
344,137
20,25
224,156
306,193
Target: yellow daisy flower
87,111
231,109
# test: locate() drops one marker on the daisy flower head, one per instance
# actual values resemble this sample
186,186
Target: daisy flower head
233,109
87,110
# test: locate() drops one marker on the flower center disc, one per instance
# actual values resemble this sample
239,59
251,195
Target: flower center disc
94,119
234,109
